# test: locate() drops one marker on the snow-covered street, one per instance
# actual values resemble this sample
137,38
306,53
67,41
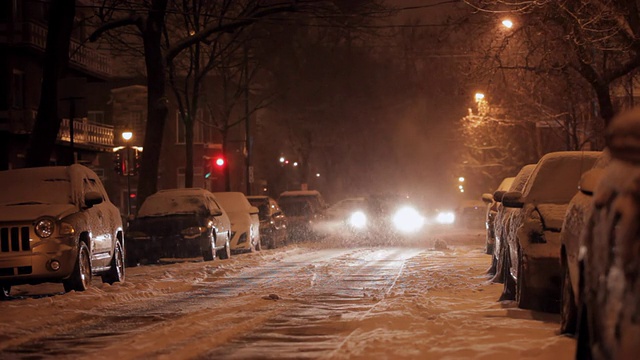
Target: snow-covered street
312,300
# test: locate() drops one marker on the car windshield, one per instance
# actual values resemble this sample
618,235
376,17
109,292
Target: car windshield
296,208
171,204
35,186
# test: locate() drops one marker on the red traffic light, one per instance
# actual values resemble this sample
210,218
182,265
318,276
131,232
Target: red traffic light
219,161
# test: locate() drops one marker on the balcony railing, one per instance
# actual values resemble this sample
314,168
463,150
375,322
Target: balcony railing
87,133
35,35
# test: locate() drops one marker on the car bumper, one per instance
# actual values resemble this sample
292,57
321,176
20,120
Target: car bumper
34,266
166,246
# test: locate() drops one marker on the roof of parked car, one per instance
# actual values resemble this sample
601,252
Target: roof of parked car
300,193
233,201
177,201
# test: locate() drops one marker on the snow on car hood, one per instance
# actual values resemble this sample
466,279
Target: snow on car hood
32,212
553,215
239,220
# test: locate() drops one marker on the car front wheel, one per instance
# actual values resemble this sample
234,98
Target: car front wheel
116,272
209,249
80,278
225,253
569,313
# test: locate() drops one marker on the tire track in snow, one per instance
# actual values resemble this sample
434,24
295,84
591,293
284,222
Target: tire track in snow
320,319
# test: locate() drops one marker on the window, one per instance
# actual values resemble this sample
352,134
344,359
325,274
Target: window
198,131
17,89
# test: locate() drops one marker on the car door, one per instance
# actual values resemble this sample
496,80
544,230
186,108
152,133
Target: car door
97,219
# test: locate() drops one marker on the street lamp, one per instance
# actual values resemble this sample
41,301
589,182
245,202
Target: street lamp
507,23
282,159
461,179
127,135
479,96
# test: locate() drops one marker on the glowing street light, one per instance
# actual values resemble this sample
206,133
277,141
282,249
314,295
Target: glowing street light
479,96
127,135
460,187
461,179
317,174
282,159
507,23
295,163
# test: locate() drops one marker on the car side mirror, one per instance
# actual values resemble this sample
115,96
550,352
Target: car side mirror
589,181
487,198
92,198
498,195
253,210
512,199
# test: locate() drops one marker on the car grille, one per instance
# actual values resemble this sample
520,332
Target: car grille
14,239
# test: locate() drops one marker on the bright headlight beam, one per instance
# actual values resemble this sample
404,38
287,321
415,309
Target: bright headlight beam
358,220
446,218
408,220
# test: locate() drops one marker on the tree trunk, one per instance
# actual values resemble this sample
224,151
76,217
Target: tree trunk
156,101
604,102
56,61
188,143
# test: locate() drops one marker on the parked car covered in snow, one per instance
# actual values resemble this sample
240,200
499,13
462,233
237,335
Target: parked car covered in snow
610,252
178,223
245,224
58,225
492,211
305,210
501,221
472,214
273,221
532,260
575,220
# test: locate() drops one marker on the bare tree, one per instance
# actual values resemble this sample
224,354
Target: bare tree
56,61
598,40
149,20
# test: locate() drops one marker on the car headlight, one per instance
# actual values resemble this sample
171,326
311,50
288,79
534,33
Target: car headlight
408,220
446,218
44,228
192,231
358,220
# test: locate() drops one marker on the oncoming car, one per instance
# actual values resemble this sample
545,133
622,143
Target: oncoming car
385,217
58,225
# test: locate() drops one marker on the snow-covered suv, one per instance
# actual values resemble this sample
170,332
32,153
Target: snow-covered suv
532,260
57,225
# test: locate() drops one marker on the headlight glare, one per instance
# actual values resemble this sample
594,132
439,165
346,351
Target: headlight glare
446,218
358,220
408,220
44,228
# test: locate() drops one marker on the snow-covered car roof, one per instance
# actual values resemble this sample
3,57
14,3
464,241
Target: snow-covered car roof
178,201
520,180
233,202
555,179
506,184
50,185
